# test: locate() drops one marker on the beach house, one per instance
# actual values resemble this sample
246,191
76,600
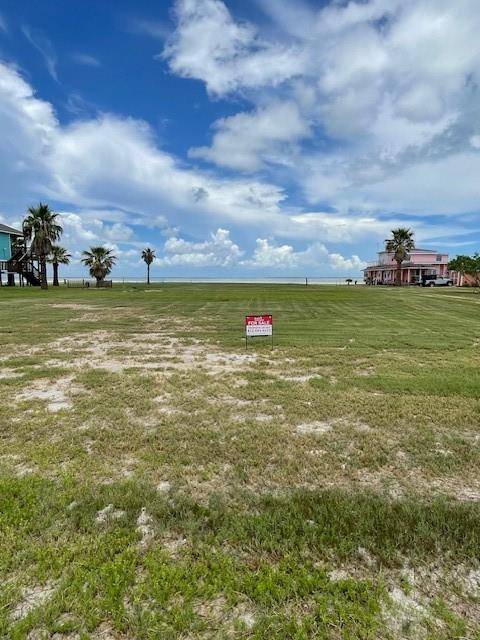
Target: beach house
16,259
418,263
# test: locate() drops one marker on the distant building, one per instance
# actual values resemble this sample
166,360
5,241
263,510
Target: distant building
16,259
419,262
7,239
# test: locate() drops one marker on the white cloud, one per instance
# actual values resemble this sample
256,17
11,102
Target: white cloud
27,129
209,45
218,251
111,173
392,82
339,263
110,162
284,257
268,255
475,141
247,141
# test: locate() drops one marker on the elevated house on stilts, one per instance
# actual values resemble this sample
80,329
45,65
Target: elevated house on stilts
17,259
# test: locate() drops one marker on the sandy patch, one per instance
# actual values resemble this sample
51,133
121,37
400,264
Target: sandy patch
301,378
264,417
404,612
9,374
212,609
108,513
363,373
328,425
90,317
22,470
127,469
338,574
156,351
56,393
470,494
173,545
164,486
145,529
32,597
106,632
314,427
73,306
221,615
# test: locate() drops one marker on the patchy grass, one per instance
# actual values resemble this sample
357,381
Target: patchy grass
159,481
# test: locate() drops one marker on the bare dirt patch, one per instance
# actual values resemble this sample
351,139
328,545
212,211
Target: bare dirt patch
57,394
164,486
145,529
314,427
108,513
153,351
33,597
9,374
74,306
106,632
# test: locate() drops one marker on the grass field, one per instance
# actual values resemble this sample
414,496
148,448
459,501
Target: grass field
159,481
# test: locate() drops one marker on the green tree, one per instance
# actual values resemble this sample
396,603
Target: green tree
99,261
400,244
58,255
18,244
148,256
467,265
42,229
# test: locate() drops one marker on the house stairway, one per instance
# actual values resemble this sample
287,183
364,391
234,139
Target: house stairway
22,262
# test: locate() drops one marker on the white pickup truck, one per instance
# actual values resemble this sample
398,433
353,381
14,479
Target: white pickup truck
436,281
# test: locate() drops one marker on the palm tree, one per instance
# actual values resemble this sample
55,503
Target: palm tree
58,255
41,227
148,256
400,244
18,244
99,261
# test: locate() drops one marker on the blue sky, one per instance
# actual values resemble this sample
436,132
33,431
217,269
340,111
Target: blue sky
252,137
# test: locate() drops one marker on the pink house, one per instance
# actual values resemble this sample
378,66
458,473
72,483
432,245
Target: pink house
418,263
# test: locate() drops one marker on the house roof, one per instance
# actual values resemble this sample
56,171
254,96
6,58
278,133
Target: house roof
415,250
13,232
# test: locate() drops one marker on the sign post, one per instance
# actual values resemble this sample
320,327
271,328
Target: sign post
256,326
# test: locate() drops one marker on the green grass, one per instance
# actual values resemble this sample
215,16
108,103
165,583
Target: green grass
327,488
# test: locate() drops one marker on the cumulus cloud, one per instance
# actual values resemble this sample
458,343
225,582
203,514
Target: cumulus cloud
247,141
109,161
209,45
351,112
28,127
268,255
218,251
382,87
285,257
339,263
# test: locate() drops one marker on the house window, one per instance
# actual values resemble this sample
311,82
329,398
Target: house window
439,258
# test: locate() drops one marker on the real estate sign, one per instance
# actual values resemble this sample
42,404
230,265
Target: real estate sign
258,326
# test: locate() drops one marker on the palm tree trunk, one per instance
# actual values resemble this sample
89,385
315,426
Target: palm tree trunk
399,274
43,272
55,275
148,274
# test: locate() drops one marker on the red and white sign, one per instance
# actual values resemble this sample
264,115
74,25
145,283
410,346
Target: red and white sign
258,326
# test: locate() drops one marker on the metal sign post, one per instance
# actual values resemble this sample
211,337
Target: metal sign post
257,326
